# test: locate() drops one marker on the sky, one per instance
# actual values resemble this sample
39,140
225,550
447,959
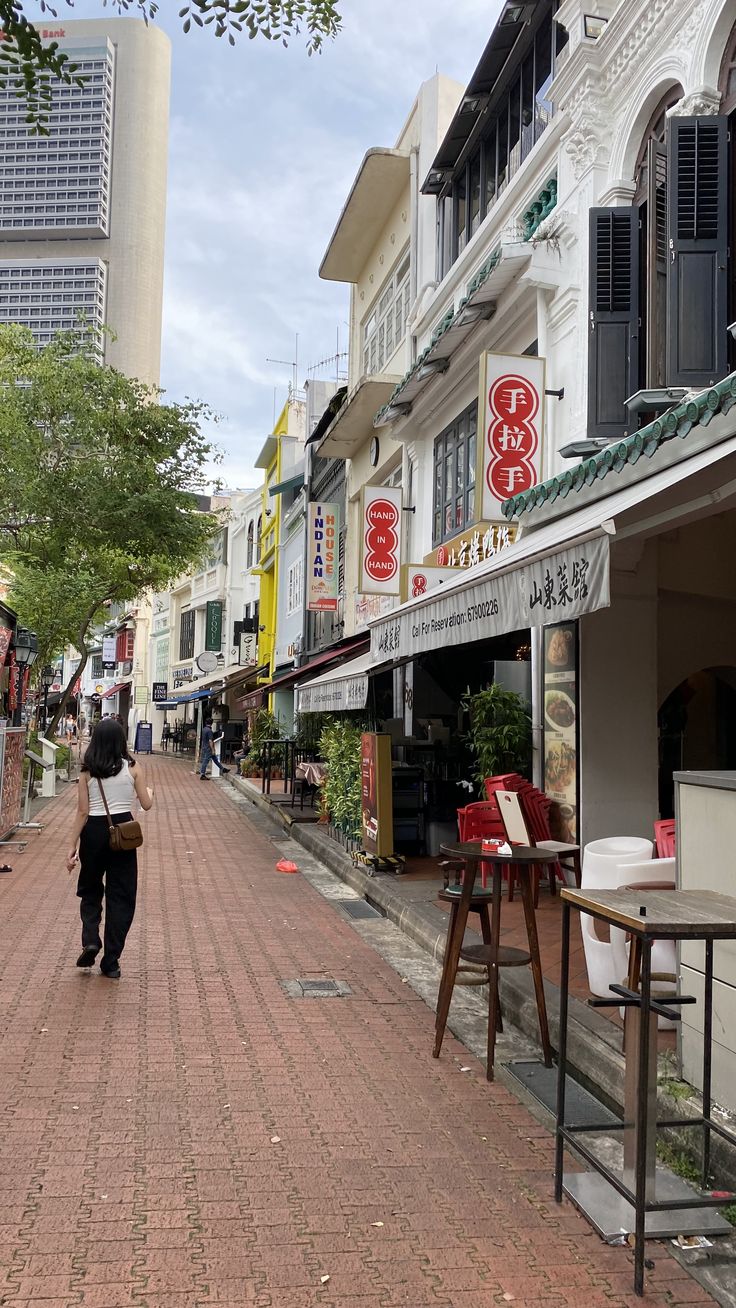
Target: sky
264,145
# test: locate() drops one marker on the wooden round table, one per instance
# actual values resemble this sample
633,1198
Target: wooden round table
524,859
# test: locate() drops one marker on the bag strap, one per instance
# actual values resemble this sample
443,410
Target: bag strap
110,822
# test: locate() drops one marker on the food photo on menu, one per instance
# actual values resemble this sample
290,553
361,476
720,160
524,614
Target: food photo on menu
561,649
560,728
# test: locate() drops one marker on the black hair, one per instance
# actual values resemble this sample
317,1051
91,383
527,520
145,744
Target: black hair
208,722
107,750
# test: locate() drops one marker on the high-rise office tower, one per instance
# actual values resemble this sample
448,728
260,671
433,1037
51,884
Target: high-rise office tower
82,209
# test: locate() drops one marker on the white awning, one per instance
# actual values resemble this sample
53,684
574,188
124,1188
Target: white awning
376,191
222,680
353,423
338,691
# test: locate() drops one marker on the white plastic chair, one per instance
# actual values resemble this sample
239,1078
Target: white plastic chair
664,952
603,861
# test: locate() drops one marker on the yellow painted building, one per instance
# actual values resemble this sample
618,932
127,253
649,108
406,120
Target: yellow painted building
276,458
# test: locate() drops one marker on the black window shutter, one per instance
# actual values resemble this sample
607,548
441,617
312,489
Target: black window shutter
613,319
657,258
697,269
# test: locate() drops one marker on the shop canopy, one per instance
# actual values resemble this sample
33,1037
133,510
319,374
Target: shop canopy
335,655
189,697
119,685
225,679
560,571
255,699
340,690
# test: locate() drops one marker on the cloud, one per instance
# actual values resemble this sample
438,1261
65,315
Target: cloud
264,146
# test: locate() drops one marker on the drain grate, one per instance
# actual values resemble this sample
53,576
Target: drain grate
581,1106
358,908
315,988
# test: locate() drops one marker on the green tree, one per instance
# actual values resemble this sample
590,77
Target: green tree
99,495
32,64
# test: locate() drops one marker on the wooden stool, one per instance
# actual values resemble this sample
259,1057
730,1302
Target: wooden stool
491,953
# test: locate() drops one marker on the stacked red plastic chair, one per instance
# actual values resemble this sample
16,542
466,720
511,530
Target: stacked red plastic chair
536,808
664,838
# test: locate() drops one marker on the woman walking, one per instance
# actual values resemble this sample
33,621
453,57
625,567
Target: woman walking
109,774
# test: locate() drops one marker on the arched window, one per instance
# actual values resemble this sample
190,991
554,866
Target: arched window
651,198
727,75
249,553
258,538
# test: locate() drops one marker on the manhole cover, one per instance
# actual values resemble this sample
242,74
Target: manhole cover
315,988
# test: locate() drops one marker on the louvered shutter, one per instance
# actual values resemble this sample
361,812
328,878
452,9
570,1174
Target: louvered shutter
613,319
656,265
697,270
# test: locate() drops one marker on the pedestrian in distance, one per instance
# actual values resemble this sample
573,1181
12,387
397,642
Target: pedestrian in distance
208,752
109,776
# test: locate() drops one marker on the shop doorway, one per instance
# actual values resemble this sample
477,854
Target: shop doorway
697,729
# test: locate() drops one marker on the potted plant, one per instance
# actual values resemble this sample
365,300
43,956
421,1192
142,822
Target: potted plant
341,790
499,732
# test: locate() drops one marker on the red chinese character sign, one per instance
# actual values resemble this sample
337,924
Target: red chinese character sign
512,409
380,553
417,579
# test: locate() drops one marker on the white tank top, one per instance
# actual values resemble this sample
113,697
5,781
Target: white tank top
119,793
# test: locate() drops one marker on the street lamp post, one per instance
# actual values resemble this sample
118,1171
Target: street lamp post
47,677
26,653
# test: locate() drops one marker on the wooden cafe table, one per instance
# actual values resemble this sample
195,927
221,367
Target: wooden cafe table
640,1197
524,859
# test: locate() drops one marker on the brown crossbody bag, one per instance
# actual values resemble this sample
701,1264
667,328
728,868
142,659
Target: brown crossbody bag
123,835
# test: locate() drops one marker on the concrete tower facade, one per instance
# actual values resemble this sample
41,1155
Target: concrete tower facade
82,209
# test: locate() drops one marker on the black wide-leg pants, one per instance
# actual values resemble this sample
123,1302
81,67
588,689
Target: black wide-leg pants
108,873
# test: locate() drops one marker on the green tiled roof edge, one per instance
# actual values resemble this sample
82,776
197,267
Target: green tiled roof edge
481,277
540,209
698,411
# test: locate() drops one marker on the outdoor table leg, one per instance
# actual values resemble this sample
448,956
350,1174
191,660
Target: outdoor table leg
707,1056
455,938
562,1048
643,1097
527,895
440,1028
493,970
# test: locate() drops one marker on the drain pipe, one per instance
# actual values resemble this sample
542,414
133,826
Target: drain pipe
414,227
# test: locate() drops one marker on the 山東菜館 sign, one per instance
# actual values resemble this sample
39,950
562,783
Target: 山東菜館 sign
560,586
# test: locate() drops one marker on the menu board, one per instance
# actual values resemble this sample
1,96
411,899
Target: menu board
377,794
560,718
11,788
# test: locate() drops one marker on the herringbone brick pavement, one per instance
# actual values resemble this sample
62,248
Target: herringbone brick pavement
191,1136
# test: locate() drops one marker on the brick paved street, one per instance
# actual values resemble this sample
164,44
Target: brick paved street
193,1136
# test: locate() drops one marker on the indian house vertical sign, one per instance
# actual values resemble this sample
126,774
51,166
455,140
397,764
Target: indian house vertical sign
323,535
